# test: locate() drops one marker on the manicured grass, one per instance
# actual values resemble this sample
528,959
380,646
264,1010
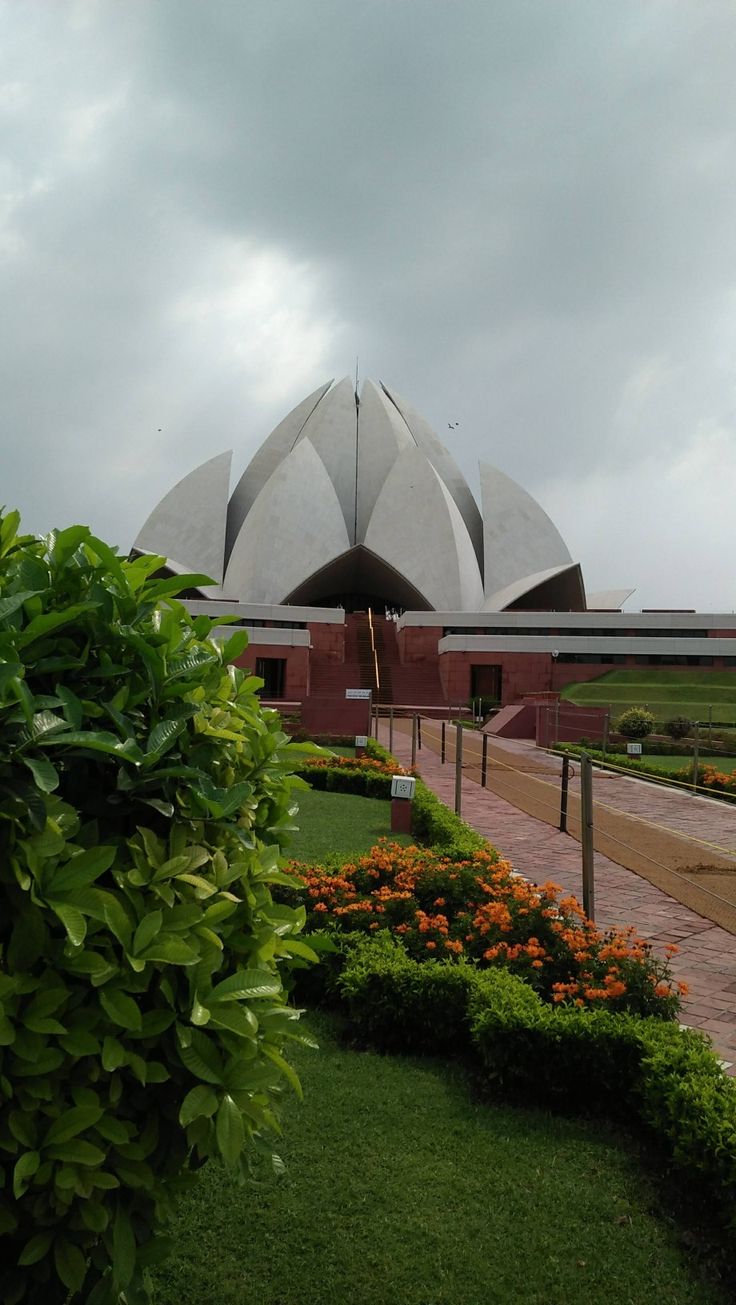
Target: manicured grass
672,763
339,823
403,1189
666,693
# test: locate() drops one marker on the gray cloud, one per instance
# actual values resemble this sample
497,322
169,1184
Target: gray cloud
519,214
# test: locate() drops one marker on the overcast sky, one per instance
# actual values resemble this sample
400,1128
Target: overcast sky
520,214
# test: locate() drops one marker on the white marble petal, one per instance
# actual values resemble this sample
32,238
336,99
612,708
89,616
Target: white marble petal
518,589
445,466
295,526
608,600
332,429
416,527
189,522
519,538
263,463
382,435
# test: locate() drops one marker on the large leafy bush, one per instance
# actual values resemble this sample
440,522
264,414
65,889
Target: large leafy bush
636,723
144,967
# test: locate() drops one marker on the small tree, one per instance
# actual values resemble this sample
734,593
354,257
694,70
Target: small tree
635,723
679,727
144,967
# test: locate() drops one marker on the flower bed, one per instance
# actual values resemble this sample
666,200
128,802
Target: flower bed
481,910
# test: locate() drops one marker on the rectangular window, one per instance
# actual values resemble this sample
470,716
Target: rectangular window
272,671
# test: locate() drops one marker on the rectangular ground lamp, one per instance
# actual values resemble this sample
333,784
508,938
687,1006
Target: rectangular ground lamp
402,792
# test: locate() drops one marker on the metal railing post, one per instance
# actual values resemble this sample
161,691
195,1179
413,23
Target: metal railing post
605,735
442,741
413,742
484,762
419,733
696,756
564,790
458,768
586,834
390,729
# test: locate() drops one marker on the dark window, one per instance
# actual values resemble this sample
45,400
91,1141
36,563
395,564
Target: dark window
272,670
485,682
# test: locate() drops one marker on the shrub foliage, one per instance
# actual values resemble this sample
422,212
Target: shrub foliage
635,723
144,967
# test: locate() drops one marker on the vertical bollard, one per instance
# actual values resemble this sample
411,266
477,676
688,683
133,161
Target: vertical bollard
419,733
586,834
696,756
442,743
564,789
390,729
413,742
484,762
458,768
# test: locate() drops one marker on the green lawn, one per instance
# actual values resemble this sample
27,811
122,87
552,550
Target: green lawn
340,823
403,1189
666,693
673,764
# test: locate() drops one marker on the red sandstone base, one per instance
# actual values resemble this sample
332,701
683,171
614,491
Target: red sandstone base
400,816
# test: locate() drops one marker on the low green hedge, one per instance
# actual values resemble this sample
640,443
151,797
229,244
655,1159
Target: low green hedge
646,1070
433,822
347,779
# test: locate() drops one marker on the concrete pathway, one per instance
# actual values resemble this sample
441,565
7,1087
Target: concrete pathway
707,953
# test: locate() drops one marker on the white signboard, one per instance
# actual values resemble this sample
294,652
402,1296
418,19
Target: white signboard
633,749
361,740
402,786
357,693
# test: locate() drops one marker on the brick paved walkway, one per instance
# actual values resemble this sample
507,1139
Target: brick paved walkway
707,955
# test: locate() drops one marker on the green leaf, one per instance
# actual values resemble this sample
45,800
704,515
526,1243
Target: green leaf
170,950
13,603
120,1008
78,1042
235,646
72,920
286,1069
24,1171
95,741
123,1248
163,736
71,1265
71,1123
36,1248
246,983
238,1019
83,869
76,1152
200,1101
147,930
70,705
230,1131
113,1055
44,773
201,1059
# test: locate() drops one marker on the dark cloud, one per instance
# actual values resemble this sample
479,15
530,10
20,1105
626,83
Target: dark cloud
519,214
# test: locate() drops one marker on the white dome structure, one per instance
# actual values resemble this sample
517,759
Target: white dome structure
353,501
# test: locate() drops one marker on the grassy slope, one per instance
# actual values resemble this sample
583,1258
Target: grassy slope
340,823
667,693
401,1189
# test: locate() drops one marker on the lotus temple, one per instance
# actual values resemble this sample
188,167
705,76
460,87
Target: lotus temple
356,556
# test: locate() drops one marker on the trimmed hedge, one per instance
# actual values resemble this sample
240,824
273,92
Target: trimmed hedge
433,822
664,1077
